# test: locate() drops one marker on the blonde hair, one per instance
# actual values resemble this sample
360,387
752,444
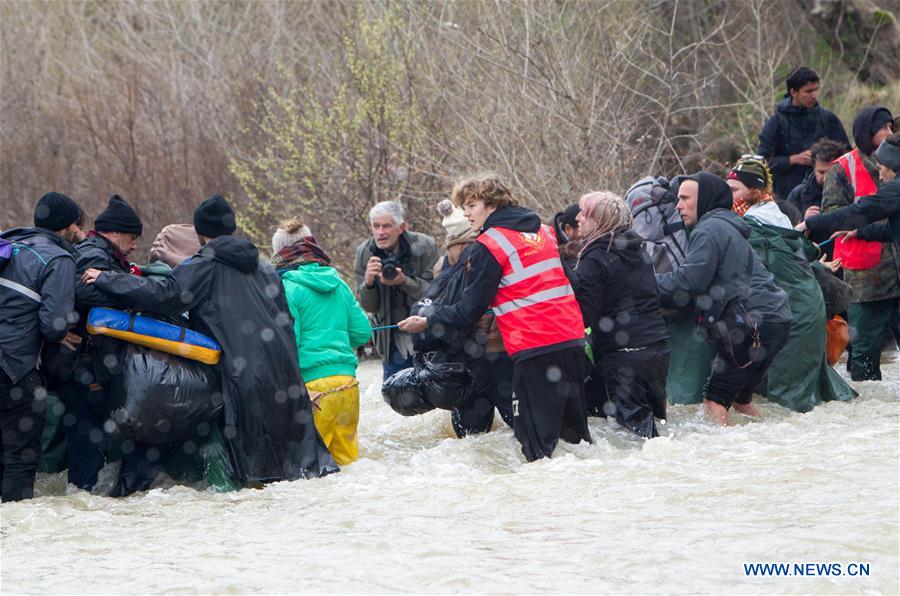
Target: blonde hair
608,211
488,187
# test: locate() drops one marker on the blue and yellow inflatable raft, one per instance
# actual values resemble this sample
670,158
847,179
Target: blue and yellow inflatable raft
154,334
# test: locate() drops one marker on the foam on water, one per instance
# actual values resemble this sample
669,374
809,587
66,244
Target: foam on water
423,511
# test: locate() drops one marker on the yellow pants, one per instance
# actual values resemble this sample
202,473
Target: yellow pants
337,417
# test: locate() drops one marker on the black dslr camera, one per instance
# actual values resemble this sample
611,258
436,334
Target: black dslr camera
388,264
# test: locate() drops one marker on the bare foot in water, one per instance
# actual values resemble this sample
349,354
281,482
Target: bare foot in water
747,409
716,412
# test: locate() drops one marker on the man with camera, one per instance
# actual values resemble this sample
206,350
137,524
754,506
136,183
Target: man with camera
393,270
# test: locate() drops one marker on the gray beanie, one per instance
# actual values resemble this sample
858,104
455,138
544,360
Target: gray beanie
290,232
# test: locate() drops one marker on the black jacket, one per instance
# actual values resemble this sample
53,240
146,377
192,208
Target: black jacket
37,295
484,274
884,204
96,252
790,130
806,194
617,292
239,301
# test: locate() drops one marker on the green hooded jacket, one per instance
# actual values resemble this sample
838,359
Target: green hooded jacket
800,377
328,322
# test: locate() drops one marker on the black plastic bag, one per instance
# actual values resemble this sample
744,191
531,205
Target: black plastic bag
160,398
446,289
446,383
403,393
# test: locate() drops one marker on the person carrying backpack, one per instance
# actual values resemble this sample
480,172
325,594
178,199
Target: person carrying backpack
37,298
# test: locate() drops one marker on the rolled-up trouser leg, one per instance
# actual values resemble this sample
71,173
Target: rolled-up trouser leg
728,383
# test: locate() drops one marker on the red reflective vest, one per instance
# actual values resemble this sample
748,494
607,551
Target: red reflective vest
857,254
534,305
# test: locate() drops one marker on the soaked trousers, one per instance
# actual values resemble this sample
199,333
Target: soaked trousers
86,412
870,325
21,423
477,415
632,387
729,384
548,401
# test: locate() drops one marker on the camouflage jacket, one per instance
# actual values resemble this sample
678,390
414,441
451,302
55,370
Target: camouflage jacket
882,281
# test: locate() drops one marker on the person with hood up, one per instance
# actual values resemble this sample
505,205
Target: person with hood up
85,389
37,306
798,122
725,283
565,226
805,379
619,301
516,271
328,325
240,302
859,219
874,272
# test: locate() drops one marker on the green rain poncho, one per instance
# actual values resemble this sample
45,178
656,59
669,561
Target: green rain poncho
800,378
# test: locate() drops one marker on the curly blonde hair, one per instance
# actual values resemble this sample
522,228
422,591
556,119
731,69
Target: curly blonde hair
488,187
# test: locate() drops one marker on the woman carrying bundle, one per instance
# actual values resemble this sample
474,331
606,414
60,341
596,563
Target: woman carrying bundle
619,301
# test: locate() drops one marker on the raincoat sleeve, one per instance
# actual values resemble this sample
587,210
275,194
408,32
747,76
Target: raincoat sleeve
867,210
87,295
359,329
57,298
185,288
768,144
876,232
676,288
484,279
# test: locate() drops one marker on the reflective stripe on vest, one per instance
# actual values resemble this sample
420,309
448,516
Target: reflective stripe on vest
16,287
860,178
535,305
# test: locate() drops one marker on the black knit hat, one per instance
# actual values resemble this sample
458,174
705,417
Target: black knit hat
56,211
119,217
214,217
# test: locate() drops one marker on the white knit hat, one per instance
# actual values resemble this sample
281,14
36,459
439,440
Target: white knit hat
288,233
457,227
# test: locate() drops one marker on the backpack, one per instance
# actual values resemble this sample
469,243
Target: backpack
6,253
651,201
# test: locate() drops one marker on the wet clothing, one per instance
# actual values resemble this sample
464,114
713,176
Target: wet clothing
86,411
884,204
715,272
477,415
37,292
337,416
806,194
328,322
870,324
240,302
548,401
21,423
417,254
805,379
619,300
729,384
791,130
632,387
548,409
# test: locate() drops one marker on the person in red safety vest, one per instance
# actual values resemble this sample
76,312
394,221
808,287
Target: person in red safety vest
514,269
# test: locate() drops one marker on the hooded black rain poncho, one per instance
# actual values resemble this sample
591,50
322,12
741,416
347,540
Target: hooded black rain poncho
239,301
